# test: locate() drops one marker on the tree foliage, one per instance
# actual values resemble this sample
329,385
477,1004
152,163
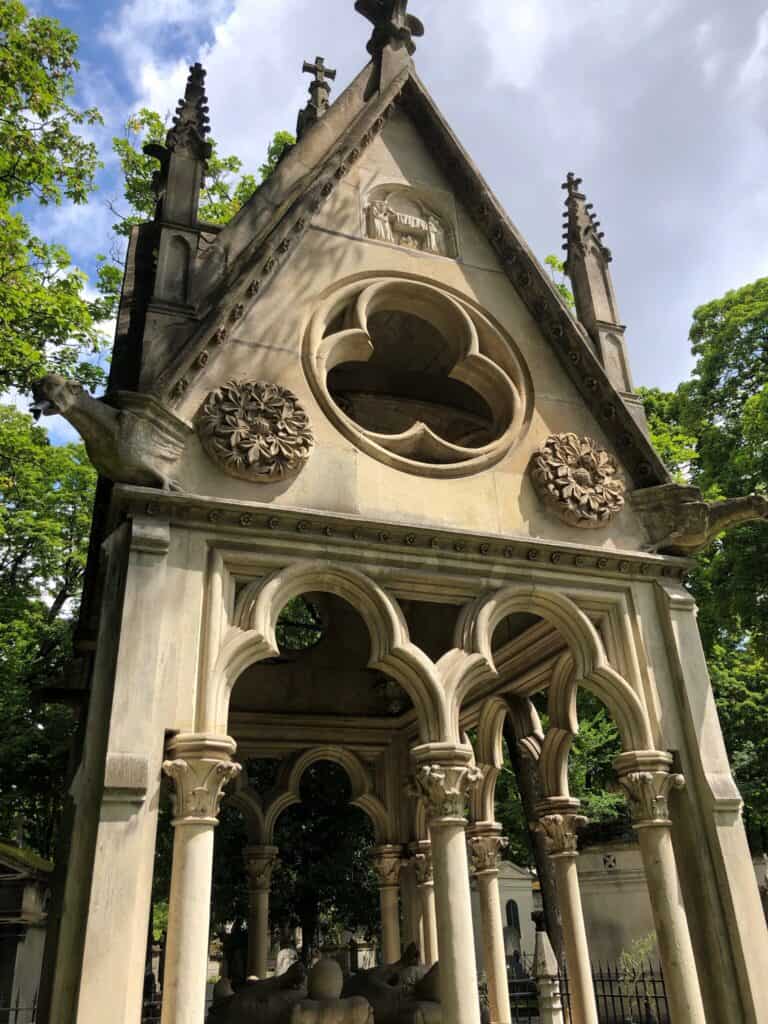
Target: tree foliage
46,494
712,432
46,321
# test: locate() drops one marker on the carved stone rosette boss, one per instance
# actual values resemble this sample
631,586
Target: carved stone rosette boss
445,789
199,775
255,431
578,480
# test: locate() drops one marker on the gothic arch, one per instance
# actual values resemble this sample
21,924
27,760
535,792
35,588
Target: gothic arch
288,790
490,751
251,638
472,659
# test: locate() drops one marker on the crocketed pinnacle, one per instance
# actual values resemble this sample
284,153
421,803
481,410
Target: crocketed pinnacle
581,234
392,25
191,123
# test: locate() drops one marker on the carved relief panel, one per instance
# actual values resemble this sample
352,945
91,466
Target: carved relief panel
401,215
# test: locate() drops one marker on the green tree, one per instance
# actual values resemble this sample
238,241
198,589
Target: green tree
559,277
46,495
45,320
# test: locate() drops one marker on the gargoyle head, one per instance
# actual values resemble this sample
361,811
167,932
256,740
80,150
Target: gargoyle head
760,504
54,394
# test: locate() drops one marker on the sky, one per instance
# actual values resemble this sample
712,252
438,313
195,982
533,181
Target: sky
659,105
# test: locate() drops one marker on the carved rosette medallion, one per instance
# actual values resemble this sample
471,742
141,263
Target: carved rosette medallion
198,787
387,861
260,861
445,788
255,430
577,479
648,794
485,850
561,833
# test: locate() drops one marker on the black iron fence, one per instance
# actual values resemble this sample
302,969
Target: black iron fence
623,995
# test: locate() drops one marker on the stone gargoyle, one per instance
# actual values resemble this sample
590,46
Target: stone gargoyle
138,443
680,522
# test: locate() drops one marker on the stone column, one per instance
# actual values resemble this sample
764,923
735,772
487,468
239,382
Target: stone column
200,766
259,862
559,821
485,846
545,969
387,861
411,906
422,859
646,779
444,776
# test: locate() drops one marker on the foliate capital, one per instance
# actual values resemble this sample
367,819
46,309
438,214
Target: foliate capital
445,788
200,770
485,850
259,864
561,833
421,855
648,794
387,861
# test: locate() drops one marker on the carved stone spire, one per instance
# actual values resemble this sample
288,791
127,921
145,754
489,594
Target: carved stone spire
191,123
183,158
319,93
587,265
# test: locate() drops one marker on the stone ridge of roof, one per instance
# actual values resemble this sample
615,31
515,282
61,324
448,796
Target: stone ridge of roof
25,858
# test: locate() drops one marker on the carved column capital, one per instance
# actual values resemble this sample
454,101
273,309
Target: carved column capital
648,794
560,822
421,855
647,780
259,864
200,766
444,787
387,861
486,846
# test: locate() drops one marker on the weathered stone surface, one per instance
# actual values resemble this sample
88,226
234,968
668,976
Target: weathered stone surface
680,522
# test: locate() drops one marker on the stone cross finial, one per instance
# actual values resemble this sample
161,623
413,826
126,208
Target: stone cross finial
319,92
392,25
319,70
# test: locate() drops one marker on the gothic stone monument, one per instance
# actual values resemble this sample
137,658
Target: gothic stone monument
365,389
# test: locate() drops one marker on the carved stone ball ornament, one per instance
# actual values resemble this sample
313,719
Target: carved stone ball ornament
255,430
580,481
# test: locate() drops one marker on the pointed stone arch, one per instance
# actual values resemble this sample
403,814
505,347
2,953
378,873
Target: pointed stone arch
288,790
251,638
474,636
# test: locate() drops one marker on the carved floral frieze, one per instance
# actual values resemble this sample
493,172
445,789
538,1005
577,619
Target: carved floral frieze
255,430
580,481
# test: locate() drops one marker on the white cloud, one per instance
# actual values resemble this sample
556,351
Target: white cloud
754,69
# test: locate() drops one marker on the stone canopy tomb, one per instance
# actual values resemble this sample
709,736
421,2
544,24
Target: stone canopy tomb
365,391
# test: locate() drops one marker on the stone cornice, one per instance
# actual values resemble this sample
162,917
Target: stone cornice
246,521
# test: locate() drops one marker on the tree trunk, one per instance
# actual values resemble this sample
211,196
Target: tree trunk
529,788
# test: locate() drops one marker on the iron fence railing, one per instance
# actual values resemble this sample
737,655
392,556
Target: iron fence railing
18,1014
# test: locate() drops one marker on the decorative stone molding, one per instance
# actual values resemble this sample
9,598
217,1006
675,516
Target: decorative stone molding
485,850
255,430
445,788
260,862
200,770
561,833
421,855
387,861
648,794
580,481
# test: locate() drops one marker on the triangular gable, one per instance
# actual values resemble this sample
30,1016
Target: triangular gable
262,238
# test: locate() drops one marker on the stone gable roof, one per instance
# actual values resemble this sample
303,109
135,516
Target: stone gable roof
260,240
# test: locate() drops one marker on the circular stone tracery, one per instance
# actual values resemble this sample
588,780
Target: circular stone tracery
417,377
255,430
578,480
